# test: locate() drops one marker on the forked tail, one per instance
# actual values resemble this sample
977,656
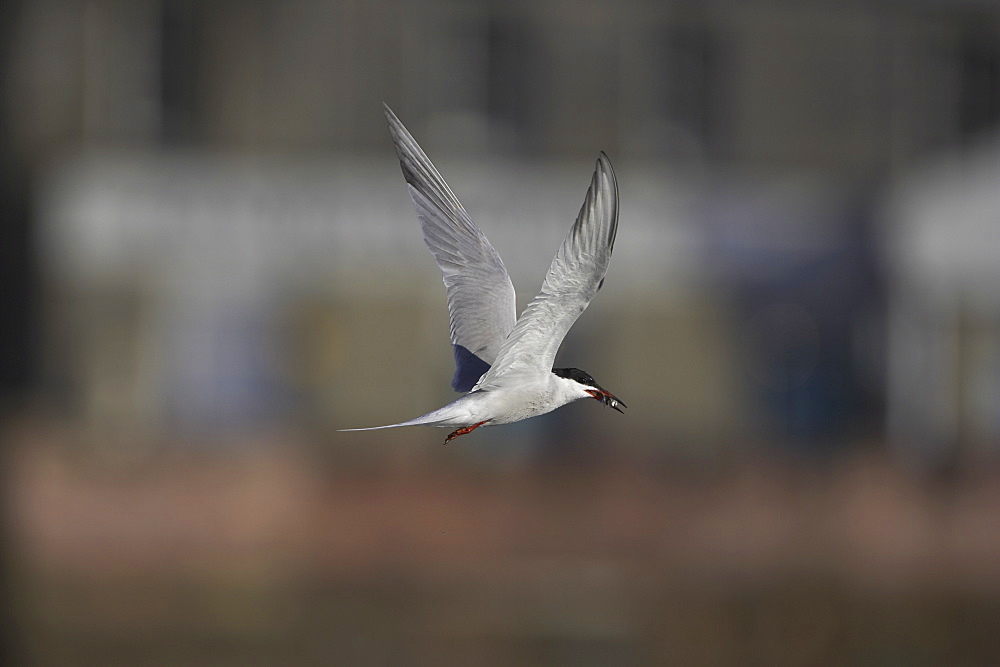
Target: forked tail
419,421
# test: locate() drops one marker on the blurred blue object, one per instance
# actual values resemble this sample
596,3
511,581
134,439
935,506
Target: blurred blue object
798,264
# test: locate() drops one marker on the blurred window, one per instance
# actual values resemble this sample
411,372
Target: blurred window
690,96
979,72
179,23
513,73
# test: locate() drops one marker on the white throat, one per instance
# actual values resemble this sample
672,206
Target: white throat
567,391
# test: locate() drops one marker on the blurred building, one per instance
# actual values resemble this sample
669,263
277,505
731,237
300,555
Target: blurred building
942,234
852,90
223,240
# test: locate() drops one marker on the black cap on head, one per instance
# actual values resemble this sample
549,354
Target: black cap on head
576,374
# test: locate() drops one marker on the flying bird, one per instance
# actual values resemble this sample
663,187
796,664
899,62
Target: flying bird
504,362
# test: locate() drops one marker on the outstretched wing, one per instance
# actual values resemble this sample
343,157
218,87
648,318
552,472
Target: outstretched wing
575,276
481,302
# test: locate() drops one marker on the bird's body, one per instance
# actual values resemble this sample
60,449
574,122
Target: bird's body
505,362
535,395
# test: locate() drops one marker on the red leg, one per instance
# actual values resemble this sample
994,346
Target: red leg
462,431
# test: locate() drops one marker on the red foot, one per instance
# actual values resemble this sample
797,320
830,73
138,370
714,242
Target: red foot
462,431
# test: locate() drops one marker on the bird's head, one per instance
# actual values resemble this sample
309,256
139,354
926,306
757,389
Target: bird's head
589,387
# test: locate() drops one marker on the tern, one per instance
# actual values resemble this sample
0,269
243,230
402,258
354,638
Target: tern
504,362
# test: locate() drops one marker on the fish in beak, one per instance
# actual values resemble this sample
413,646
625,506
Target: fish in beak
608,399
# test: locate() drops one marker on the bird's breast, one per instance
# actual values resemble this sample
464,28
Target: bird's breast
514,405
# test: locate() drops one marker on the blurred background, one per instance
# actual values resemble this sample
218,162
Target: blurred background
209,263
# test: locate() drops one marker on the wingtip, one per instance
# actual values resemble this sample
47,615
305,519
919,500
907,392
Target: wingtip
397,131
389,113
604,166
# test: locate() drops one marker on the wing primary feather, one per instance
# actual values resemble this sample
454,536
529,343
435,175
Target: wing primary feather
481,301
576,274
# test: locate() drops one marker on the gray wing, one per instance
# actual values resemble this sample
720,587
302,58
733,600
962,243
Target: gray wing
481,301
575,276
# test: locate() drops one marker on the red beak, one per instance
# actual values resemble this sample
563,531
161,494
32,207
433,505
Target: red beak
608,399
